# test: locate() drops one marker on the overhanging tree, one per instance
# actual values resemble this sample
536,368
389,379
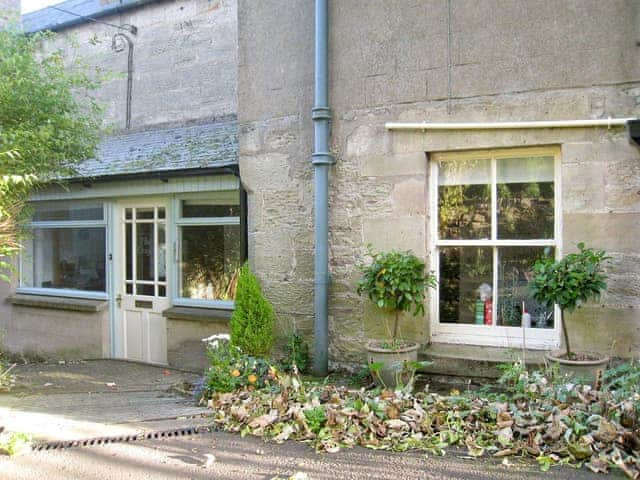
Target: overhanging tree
49,122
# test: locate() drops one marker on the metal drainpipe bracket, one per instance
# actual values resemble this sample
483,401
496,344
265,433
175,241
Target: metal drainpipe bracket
322,158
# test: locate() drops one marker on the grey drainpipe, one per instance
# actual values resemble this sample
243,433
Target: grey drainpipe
321,160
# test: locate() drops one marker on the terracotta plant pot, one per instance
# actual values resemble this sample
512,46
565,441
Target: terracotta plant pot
581,369
393,361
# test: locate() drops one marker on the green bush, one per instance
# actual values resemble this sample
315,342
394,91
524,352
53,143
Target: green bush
569,282
230,369
253,320
296,352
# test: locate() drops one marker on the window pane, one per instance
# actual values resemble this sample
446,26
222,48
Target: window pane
466,277
200,208
210,261
65,211
144,213
162,253
71,258
514,271
525,198
145,289
128,254
144,251
464,199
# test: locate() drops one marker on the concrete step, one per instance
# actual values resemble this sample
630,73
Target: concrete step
471,361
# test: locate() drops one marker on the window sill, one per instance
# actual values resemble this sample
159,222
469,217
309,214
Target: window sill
194,314
57,303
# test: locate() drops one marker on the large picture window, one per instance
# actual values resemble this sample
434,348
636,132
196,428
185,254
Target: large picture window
496,213
209,237
66,248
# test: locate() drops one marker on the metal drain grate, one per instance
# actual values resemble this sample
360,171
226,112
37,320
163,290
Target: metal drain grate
61,445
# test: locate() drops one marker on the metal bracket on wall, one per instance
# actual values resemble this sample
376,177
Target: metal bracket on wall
117,44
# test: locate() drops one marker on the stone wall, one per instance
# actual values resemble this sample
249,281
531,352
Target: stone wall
415,61
184,62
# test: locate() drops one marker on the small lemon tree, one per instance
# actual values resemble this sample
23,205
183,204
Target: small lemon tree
569,282
396,281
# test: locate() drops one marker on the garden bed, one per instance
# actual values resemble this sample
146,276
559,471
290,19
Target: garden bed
550,420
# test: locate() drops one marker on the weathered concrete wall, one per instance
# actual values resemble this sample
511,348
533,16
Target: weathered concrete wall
184,62
414,61
37,333
185,348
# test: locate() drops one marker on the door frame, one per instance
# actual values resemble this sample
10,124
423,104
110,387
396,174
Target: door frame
117,260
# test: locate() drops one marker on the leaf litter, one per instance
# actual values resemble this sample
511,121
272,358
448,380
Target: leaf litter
570,424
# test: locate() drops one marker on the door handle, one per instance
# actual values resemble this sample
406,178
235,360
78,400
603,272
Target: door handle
119,300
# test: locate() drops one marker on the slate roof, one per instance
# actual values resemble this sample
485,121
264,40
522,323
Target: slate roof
72,12
193,147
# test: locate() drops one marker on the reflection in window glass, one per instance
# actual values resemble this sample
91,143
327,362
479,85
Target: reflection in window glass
144,251
464,199
60,211
70,258
466,279
195,209
515,266
210,261
525,198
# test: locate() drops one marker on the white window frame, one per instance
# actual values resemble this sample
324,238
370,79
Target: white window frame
491,335
58,224
179,222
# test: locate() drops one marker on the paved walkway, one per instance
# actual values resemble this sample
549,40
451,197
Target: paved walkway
95,398
226,456
108,398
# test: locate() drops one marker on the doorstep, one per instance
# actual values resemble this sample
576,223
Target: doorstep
473,361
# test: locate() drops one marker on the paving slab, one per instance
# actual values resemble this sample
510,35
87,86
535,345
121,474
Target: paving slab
70,401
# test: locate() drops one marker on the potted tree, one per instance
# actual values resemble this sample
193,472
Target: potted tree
568,283
395,282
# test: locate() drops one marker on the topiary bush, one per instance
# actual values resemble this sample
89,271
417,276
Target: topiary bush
569,282
252,322
396,282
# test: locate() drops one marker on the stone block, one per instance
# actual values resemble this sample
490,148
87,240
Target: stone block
614,232
409,197
367,140
392,165
399,233
583,188
265,172
605,330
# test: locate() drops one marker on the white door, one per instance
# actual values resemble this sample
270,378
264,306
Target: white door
141,282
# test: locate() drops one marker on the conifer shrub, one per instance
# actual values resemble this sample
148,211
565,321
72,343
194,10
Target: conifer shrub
252,322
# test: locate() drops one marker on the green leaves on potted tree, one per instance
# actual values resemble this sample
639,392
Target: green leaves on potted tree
568,283
395,282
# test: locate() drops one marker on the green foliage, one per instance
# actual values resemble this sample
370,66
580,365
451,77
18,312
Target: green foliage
230,369
14,443
316,418
396,281
48,123
47,114
623,383
253,319
569,282
296,352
